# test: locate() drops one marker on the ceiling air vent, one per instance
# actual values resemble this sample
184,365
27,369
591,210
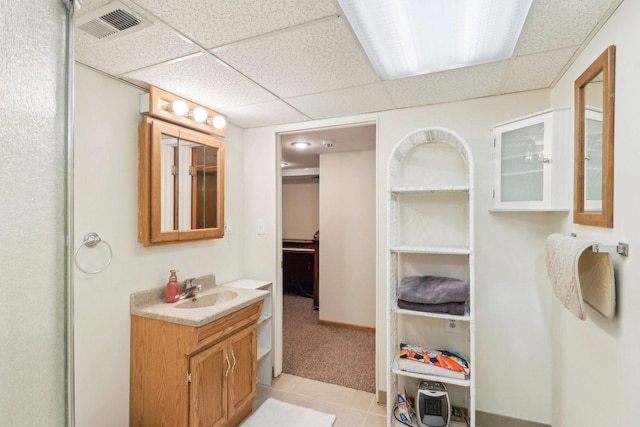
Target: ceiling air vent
111,21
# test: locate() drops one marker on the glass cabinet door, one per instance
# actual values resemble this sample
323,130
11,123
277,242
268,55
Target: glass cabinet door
522,150
521,164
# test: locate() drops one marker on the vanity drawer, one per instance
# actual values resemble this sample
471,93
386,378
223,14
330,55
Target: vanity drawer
206,335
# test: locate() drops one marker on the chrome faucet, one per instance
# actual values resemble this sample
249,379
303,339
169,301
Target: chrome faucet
190,291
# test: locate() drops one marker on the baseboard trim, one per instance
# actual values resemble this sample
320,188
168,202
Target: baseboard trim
347,326
495,420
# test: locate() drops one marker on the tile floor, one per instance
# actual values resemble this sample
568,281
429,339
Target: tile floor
352,408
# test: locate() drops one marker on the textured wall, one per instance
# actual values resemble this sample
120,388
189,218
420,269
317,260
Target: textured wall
106,201
595,361
348,238
33,88
300,209
513,296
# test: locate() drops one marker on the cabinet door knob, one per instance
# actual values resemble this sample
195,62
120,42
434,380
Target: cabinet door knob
544,158
233,368
226,374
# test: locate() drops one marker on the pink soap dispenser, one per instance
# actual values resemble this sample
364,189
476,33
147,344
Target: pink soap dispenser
173,288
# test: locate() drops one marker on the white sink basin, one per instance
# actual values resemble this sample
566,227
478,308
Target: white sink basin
212,303
207,300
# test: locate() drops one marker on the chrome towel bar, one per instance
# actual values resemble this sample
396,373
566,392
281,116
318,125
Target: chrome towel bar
621,248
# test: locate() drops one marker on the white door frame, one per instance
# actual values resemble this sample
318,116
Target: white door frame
278,286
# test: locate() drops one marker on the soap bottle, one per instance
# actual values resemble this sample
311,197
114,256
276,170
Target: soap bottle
173,288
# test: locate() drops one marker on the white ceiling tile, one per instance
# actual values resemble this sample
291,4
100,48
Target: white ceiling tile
536,71
453,85
299,59
310,59
204,80
215,23
89,5
264,114
343,102
554,24
136,50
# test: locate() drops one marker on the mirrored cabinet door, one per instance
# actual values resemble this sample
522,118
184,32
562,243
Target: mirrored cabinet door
594,105
168,182
204,187
531,162
593,160
188,185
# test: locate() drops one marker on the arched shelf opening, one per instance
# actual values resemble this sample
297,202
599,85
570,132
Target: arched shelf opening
430,211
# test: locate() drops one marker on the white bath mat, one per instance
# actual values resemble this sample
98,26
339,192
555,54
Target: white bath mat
274,413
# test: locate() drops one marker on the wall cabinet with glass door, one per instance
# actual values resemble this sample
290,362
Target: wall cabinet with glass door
532,162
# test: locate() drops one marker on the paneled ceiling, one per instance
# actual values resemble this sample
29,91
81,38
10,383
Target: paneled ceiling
269,62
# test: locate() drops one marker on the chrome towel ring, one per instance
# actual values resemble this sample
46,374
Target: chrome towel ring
90,240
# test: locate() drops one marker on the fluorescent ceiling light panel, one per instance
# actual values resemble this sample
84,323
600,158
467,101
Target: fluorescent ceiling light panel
410,37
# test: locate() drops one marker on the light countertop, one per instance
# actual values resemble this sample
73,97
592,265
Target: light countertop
150,303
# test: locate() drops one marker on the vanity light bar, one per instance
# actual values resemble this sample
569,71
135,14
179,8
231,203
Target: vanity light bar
167,106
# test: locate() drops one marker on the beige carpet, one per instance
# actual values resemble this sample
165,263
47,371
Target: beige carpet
329,354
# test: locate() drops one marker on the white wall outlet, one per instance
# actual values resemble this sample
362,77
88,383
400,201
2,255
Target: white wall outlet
228,229
451,326
260,226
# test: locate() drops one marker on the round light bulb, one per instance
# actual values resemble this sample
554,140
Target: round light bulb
301,145
199,114
219,122
179,107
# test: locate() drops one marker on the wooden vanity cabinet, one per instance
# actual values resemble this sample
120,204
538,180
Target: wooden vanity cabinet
213,402
193,376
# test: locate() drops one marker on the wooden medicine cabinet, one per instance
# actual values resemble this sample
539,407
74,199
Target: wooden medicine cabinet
180,183
594,124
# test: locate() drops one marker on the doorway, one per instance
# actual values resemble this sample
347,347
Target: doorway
328,238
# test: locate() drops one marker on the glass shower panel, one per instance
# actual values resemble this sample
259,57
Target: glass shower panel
34,93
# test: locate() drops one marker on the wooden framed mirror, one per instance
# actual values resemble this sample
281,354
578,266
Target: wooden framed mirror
593,150
180,184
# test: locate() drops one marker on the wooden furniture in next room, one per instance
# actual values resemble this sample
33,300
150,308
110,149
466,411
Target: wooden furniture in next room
301,267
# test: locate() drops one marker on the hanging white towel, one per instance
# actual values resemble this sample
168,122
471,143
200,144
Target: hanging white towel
577,273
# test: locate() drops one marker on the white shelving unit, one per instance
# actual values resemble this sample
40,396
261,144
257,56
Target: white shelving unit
265,328
532,162
430,232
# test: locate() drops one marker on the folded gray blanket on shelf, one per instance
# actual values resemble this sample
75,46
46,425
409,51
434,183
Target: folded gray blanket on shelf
433,289
455,308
